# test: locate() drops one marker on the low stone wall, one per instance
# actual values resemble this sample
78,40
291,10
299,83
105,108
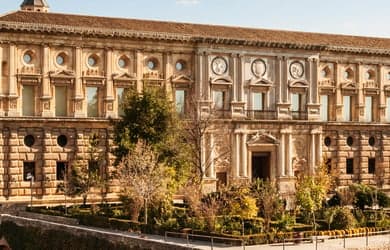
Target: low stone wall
73,235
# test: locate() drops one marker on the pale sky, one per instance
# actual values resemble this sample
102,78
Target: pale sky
354,17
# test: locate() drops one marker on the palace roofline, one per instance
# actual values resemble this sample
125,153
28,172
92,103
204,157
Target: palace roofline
25,21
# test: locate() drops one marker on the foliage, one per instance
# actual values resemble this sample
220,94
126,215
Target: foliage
147,117
142,177
343,219
86,174
237,201
35,238
311,192
383,199
267,200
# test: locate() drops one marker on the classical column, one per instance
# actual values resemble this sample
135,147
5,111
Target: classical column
45,75
12,85
314,81
78,69
46,89
284,82
282,159
235,77
168,72
244,156
78,88
236,155
309,76
206,83
339,101
109,99
319,149
199,76
12,72
203,149
279,68
241,77
211,169
360,101
139,70
312,162
381,115
289,169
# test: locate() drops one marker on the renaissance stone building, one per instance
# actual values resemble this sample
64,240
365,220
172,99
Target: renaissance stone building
282,102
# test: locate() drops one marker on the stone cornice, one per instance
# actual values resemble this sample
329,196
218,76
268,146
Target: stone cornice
162,36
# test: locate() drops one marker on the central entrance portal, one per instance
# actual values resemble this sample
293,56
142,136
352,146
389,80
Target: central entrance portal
261,165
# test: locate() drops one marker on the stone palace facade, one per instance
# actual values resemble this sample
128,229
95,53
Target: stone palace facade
282,102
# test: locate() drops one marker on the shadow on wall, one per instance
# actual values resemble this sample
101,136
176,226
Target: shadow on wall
4,244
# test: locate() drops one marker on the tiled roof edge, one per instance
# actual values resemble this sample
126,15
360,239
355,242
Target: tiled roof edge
124,33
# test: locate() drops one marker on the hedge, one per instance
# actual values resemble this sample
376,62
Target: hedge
33,238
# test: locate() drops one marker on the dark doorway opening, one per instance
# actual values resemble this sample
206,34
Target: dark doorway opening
261,165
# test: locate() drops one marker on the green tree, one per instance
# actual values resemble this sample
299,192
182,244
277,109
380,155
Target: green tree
86,174
311,192
267,199
147,116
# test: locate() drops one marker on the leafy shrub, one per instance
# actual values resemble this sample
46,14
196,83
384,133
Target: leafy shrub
343,219
34,238
383,199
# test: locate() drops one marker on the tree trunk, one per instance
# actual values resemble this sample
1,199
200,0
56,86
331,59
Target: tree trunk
146,211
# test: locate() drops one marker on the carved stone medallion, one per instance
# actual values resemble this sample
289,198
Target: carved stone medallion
259,67
297,69
219,65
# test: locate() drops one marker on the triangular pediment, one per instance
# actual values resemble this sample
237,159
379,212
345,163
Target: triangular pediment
181,79
224,80
62,74
124,77
261,137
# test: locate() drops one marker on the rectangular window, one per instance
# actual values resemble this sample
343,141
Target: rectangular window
295,102
28,100
28,170
180,101
258,101
219,100
61,170
388,109
93,102
61,105
368,108
324,108
350,166
120,94
371,165
347,116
